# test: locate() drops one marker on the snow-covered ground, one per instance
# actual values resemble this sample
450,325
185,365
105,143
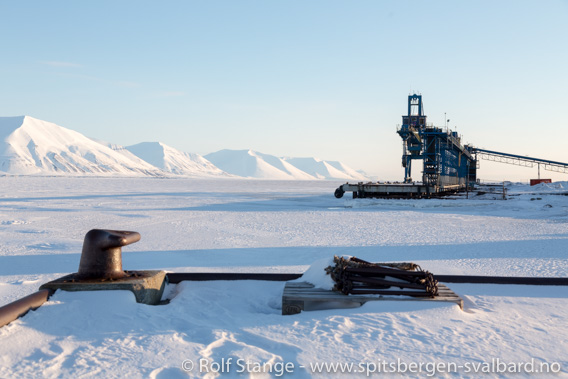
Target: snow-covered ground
279,226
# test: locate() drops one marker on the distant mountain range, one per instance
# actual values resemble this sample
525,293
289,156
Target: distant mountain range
251,164
173,161
29,146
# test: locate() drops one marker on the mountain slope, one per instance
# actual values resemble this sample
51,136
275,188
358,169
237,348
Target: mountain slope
252,164
32,146
29,146
174,161
325,169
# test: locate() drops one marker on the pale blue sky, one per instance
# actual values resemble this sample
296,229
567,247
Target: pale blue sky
328,79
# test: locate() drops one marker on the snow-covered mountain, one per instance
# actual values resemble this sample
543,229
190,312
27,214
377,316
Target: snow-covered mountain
32,146
174,161
325,169
29,146
252,164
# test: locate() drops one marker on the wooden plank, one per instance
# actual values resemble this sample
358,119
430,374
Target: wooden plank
297,293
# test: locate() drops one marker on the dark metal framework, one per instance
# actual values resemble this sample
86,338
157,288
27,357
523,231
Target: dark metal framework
446,162
177,277
448,166
520,160
18,308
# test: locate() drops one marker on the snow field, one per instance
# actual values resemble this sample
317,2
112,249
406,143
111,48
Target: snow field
267,226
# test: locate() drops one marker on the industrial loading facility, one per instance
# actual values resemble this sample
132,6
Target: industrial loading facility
448,166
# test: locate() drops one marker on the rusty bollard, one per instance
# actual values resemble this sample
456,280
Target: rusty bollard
101,257
100,269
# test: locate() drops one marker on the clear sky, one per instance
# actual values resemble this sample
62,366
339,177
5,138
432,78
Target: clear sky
321,78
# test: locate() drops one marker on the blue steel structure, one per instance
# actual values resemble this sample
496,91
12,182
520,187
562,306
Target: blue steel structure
446,162
447,165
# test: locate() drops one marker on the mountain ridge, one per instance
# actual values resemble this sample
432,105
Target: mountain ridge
175,161
34,147
30,146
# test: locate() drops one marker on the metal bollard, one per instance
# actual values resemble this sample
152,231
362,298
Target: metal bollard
100,269
101,257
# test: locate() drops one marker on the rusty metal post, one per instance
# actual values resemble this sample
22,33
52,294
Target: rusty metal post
18,308
101,257
100,269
